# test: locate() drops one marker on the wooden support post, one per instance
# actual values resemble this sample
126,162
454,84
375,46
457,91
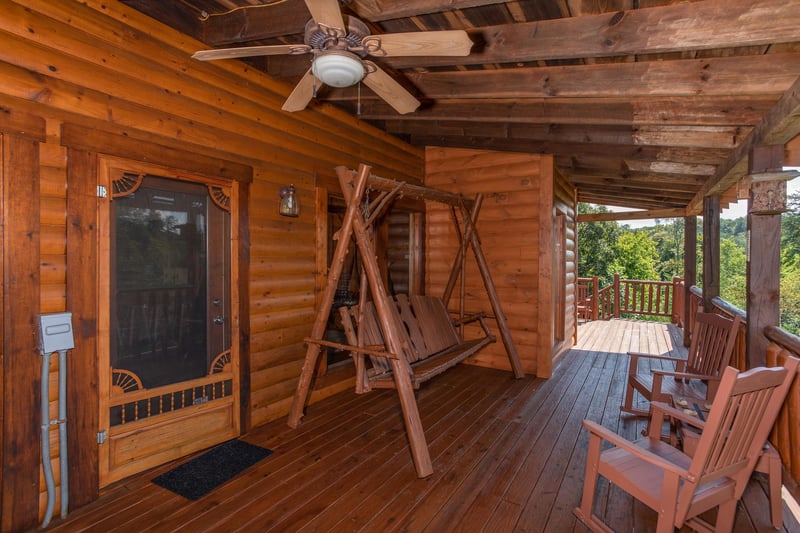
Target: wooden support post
617,297
318,330
689,274
491,291
710,251
595,297
766,203
389,322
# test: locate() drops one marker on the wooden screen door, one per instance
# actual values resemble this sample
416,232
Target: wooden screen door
168,385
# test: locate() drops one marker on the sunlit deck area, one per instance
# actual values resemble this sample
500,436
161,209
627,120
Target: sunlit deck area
508,455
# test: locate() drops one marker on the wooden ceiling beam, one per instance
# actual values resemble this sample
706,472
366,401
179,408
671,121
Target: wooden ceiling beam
711,24
666,182
683,77
648,214
627,199
621,165
779,126
262,21
650,135
577,149
723,110
379,10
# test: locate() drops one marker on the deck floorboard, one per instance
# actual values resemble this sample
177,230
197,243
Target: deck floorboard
508,455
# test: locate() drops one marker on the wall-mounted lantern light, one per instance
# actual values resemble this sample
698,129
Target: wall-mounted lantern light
290,207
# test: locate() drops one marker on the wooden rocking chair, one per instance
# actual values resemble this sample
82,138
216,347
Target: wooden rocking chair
677,486
713,340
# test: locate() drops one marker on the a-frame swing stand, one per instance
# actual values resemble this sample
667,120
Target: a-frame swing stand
397,346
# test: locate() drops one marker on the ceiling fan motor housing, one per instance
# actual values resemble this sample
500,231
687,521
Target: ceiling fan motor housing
321,37
337,52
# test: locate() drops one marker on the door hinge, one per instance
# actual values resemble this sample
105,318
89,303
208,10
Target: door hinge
102,192
102,436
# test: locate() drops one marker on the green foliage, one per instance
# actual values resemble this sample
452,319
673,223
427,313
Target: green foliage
790,233
635,256
790,268
656,253
732,273
597,241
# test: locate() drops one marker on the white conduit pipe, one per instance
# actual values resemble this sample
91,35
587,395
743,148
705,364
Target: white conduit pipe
62,436
48,469
62,431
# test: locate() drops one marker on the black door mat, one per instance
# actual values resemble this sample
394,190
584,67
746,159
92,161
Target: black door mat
196,478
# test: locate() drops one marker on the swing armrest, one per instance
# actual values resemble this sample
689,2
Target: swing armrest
469,318
368,350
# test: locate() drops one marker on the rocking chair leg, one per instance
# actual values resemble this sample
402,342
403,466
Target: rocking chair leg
584,512
726,516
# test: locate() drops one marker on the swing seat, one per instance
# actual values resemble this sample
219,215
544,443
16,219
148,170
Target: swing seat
430,335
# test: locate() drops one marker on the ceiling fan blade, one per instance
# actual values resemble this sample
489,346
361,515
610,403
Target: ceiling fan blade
327,13
249,51
302,93
420,43
384,86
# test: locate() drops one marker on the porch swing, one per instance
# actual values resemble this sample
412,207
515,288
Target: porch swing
408,339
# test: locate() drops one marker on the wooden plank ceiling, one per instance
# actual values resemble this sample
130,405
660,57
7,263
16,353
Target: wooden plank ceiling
649,104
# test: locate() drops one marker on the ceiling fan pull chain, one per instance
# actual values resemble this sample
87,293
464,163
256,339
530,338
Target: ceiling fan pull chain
358,104
314,88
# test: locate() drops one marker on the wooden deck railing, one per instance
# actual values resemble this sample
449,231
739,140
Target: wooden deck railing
627,297
786,433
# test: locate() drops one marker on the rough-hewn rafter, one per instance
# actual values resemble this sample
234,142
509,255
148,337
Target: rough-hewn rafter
680,110
682,77
672,28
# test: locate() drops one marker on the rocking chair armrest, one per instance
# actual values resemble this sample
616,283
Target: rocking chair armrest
655,356
596,430
686,375
674,412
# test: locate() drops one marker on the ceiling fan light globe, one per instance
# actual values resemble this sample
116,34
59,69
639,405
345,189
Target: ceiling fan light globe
338,69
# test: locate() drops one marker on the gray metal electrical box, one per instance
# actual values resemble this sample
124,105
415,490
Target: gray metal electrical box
55,332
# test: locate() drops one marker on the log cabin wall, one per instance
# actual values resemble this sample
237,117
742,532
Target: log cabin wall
517,230
565,265
101,72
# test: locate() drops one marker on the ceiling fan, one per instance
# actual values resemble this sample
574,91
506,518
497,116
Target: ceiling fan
340,49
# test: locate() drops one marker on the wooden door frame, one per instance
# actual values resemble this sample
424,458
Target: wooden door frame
84,144
110,174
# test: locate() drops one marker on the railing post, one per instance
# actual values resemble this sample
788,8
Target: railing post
595,297
676,300
617,297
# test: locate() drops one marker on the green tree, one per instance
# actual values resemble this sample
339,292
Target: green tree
669,245
790,266
596,245
635,256
790,233
732,272
790,300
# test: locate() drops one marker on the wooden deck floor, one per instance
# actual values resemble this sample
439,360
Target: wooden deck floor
508,456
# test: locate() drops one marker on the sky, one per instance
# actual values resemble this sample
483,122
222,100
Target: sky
736,210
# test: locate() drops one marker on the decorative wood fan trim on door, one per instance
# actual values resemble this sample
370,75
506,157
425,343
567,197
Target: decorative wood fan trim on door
124,183
220,197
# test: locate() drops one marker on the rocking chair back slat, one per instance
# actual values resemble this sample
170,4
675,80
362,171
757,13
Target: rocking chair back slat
711,345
